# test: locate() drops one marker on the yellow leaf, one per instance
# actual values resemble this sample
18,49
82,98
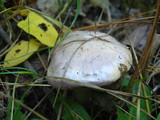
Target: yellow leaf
20,52
24,12
39,28
58,24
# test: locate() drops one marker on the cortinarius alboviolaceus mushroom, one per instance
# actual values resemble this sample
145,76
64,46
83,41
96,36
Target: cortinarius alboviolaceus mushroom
88,56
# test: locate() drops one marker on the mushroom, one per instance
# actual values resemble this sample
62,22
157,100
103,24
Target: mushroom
88,56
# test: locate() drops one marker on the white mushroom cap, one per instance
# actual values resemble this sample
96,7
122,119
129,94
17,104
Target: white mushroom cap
88,56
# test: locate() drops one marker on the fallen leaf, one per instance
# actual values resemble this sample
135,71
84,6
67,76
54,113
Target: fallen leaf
138,35
58,24
20,52
24,12
37,26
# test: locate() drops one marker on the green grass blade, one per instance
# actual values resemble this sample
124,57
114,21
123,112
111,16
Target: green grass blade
73,22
